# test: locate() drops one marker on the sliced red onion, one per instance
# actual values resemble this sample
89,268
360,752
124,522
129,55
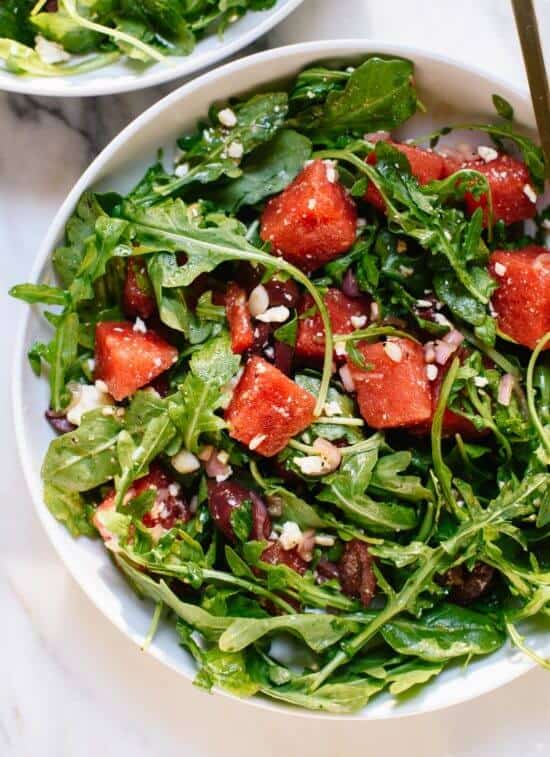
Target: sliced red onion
347,378
329,452
454,338
59,422
216,468
349,285
443,352
376,136
306,546
505,389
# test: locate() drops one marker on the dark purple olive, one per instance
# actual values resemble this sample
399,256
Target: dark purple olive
284,355
356,572
465,586
58,421
349,285
327,570
282,293
227,496
247,276
262,333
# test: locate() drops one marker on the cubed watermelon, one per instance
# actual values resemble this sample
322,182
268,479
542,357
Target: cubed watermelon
346,314
522,300
240,320
313,220
127,359
511,188
138,297
394,390
267,408
426,166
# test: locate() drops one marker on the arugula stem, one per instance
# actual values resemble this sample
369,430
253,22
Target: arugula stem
340,420
253,255
543,434
373,331
154,626
497,357
38,7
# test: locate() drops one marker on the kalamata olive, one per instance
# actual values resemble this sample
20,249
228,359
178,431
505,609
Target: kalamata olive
51,6
327,570
466,586
170,504
161,385
225,497
262,333
356,573
247,275
276,555
282,293
59,422
284,355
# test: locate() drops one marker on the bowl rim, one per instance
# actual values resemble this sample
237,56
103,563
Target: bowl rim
318,49
166,71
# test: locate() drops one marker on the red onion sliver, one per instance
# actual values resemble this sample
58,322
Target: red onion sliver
347,379
443,352
454,338
505,389
349,285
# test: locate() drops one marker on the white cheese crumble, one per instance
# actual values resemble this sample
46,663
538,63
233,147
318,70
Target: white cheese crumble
235,150
277,314
185,462
291,535
311,465
330,167
312,203
174,489
358,321
431,372
487,153
181,170
393,351
87,397
332,408
256,441
324,540
340,349
500,269
530,193
480,381
423,303
50,52
227,118
139,326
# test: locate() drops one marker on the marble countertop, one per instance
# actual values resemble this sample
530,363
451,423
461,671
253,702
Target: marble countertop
72,686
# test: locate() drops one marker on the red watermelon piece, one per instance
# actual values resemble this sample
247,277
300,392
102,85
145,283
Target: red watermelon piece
138,298
426,166
522,300
310,343
268,408
127,359
510,184
313,220
240,320
395,391
169,507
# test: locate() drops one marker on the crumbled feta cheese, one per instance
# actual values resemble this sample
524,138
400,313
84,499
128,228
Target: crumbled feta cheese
423,303
139,326
174,489
278,314
480,381
324,540
50,52
500,269
311,465
91,365
258,302
235,150
87,397
312,203
291,535
442,320
181,170
331,409
358,321
393,351
487,153
447,234
405,270
530,193
256,441
431,372
223,457
340,349
361,222
227,118
331,171
185,462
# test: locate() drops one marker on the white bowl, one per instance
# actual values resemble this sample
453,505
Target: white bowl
121,77
450,90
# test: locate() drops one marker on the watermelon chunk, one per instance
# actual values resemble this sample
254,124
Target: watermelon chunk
138,298
169,507
510,185
522,300
425,166
395,391
310,343
127,359
313,220
240,320
267,408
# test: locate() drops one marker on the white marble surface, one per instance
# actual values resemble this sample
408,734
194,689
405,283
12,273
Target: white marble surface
70,684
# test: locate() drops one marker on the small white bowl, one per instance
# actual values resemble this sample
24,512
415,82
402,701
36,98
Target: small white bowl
121,77
451,91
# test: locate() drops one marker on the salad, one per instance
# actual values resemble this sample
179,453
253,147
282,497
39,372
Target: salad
301,384
67,37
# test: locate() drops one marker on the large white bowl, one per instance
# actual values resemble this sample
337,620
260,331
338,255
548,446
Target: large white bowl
451,90
121,77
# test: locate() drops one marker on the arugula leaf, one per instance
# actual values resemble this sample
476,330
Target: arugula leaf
69,508
385,477
503,107
215,363
268,170
195,412
39,293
